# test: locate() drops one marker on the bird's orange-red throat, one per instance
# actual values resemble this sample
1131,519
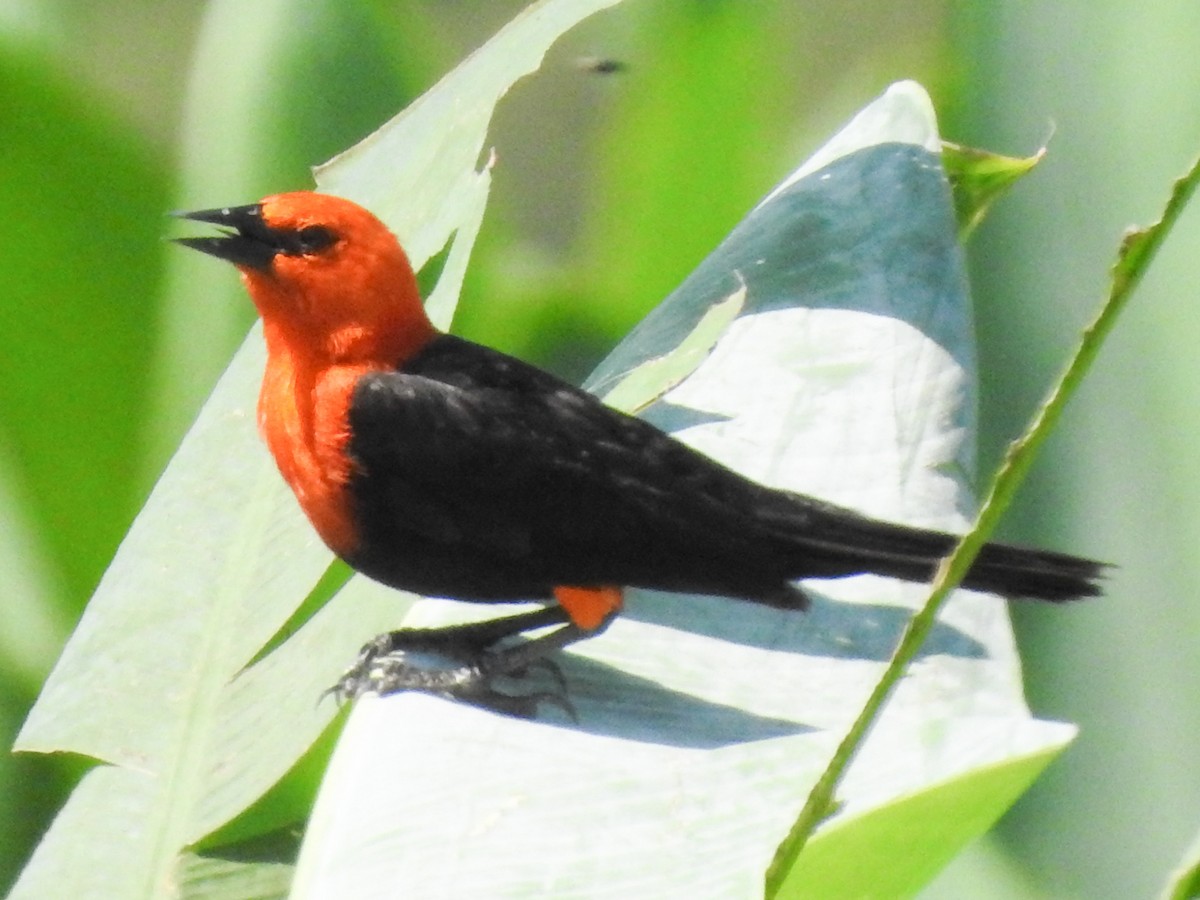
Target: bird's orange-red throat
328,319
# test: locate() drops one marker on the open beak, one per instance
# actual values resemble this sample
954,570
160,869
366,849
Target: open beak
250,242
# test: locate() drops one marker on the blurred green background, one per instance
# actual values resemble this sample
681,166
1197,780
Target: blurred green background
608,190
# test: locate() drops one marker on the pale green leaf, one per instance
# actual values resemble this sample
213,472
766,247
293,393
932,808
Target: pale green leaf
152,684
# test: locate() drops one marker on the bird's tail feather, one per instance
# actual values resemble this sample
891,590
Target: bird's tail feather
837,542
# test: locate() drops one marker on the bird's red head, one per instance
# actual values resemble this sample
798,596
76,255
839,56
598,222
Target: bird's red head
329,279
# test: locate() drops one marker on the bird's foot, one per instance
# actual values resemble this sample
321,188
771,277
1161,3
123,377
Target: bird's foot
458,662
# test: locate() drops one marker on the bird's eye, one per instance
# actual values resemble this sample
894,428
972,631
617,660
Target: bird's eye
314,239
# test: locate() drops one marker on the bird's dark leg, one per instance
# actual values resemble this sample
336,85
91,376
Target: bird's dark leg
463,662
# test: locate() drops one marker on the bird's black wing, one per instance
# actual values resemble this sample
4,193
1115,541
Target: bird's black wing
479,474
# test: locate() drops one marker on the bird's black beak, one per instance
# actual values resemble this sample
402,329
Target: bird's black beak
251,243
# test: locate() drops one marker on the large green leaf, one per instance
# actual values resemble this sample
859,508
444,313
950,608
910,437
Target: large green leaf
703,723
163,683
152,685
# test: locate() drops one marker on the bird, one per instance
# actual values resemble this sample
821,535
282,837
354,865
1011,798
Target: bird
443,467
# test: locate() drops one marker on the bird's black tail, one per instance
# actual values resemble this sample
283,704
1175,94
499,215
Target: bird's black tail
1035,574
831,541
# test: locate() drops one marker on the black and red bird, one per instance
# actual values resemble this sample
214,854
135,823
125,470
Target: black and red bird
439,466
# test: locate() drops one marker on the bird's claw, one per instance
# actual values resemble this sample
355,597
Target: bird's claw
410,661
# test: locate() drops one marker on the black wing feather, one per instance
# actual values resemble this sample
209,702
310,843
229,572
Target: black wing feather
481,477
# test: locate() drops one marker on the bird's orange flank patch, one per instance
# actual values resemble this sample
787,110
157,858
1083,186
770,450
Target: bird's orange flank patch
589,607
